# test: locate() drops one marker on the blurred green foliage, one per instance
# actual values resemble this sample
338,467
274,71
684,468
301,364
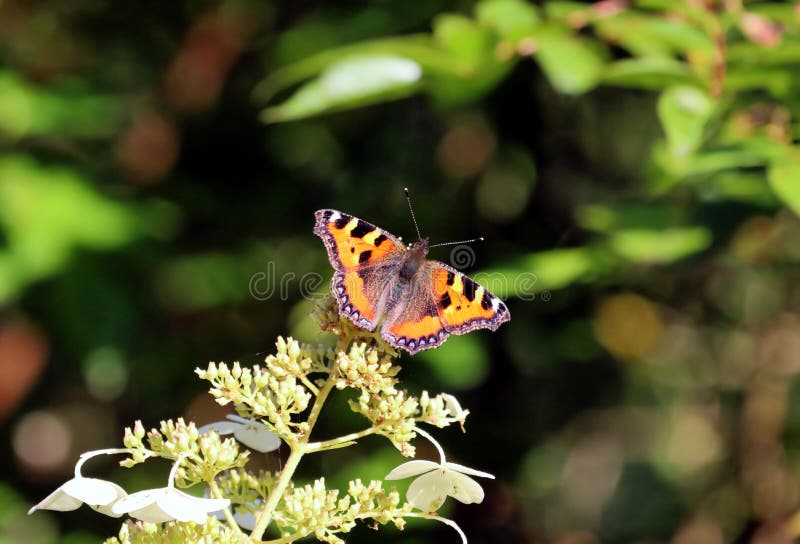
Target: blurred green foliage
633,166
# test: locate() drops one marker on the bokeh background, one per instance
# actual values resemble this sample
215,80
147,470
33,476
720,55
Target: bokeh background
161,163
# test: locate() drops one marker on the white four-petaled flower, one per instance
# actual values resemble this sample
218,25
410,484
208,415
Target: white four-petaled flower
438,480
99,494
167,504
250,432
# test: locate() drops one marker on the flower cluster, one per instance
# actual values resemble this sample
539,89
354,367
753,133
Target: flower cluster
177,533
314,509
393,412
280,403
275,393
204,454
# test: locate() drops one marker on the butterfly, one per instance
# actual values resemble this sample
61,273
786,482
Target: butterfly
418,302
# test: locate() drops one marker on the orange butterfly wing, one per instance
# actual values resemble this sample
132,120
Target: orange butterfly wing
414,323
444,301
358,251
463,304
437,302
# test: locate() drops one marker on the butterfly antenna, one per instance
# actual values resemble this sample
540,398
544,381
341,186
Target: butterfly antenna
413,217
459,242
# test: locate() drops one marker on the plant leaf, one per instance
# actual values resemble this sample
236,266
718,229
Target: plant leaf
354,82
684,111
572,64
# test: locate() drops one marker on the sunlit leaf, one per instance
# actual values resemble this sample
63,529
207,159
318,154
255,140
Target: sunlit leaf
737,186
47,213
463,38
29,110
351,83
416,47
778,81
573,65
647,73
512,19
659,246
565,11
655,36
460,363
714,161
684,111
784,178
544,270
611,217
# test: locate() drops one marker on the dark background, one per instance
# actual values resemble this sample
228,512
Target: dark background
631,165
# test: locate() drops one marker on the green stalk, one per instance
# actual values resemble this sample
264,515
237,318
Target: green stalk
299,449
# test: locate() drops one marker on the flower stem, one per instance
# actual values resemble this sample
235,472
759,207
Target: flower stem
216,492
299,448
89,454
265,516
174,470
448,522
432,441
335,442
310,386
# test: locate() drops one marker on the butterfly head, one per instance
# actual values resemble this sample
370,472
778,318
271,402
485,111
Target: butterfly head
420,247
414,258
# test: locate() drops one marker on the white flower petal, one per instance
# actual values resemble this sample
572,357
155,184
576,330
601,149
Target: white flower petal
452,405
222,427
429,491
58,501
93,491
466,470
152,513
411,468
209,505
106,508
463,488
246,521
181,507
258,438
135,501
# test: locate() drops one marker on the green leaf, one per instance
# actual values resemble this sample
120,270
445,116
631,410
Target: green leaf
659,246
684,111
460,363
784,179
564,11
28,110
739,186
511,19
461,36
537,272
470,46
778,81
607,218
351,83
418,47
655,36
647,73
46,213
573,65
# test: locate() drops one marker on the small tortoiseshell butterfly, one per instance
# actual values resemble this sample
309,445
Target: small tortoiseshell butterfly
377,276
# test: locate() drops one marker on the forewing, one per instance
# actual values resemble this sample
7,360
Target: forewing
353,243
363,257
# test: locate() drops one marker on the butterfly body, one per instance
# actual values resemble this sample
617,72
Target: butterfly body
418,302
